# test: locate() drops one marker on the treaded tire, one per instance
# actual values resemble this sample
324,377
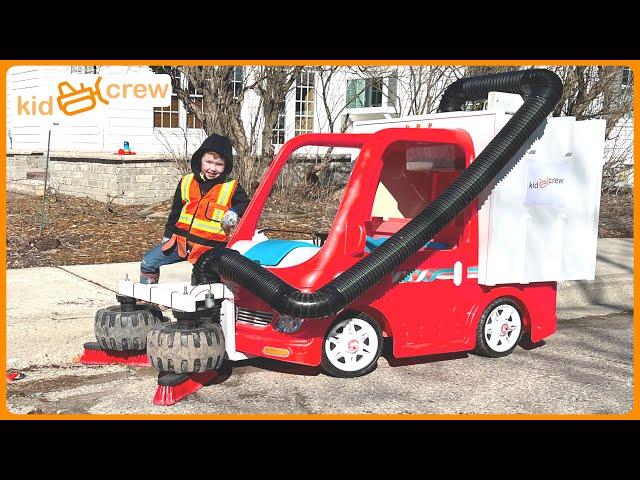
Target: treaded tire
174,347
126,331
483,346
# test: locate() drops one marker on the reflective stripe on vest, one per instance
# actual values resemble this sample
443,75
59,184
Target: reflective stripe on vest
202,215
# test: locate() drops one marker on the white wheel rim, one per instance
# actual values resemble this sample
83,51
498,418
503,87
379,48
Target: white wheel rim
502,328
352,344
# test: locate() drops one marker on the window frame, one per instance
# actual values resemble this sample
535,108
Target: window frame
236,85
191,120
304,112
372,92
279,131
84,69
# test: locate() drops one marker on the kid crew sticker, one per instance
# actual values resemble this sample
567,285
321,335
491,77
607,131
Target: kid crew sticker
546,183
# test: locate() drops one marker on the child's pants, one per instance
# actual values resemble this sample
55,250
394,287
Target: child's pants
154,259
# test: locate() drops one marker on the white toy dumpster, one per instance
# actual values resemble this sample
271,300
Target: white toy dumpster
538,221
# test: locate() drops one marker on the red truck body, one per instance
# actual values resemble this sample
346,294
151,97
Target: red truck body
429,304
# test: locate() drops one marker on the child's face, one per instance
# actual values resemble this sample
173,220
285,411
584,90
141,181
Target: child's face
212,165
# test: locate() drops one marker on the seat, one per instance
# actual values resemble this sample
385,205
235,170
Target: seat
271,252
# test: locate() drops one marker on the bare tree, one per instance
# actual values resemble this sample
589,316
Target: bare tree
589,91
221,105
272,85
617,171
594,92
603,92
333,103
422,87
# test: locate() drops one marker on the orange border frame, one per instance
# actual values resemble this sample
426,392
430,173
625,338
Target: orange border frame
6,415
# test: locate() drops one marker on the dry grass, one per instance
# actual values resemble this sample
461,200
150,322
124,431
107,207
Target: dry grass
82,231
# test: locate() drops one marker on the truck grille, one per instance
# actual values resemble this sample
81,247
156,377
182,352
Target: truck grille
254,317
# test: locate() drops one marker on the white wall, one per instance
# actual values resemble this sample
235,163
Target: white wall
22,80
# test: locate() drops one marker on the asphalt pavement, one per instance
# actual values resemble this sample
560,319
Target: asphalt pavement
50,315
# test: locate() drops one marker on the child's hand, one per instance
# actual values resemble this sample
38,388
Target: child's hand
229,221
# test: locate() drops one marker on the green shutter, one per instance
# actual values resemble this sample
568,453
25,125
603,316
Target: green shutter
355,93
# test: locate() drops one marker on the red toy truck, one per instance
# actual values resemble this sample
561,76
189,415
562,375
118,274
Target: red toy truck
430,303
409,256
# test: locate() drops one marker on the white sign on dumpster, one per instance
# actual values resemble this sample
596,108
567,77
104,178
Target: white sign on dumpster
546,183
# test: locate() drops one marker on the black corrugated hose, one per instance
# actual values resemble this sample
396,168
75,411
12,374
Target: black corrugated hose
541,89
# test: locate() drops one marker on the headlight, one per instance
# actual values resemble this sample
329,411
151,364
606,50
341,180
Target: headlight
287,324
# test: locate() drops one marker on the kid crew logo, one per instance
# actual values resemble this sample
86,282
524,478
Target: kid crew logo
545,182
73,95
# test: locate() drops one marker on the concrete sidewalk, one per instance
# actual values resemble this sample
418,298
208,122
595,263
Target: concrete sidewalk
612,289
50,310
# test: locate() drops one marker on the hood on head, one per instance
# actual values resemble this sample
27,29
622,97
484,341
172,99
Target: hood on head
214,143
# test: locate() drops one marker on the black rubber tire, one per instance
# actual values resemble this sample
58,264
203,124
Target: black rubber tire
330,369
127,330
482,347
178,348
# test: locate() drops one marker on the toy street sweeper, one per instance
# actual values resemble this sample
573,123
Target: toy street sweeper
432,246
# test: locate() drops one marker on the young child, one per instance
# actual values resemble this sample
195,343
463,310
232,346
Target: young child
205,209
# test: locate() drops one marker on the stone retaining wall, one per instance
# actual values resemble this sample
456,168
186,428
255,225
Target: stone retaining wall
131,181
135,181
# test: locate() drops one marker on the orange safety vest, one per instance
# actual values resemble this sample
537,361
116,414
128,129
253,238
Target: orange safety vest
200,218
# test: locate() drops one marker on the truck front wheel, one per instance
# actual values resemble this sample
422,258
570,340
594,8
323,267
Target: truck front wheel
352,346
179,348
499,329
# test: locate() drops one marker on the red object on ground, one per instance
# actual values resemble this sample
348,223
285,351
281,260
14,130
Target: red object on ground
170,394
98,356
122,152
15,376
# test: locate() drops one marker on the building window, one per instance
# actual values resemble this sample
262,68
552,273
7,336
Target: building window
167,117
364,92
277,135
368,92
627,76
305,93
84,69
236,81
196,97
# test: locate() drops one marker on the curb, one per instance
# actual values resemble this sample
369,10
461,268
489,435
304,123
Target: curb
614,292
